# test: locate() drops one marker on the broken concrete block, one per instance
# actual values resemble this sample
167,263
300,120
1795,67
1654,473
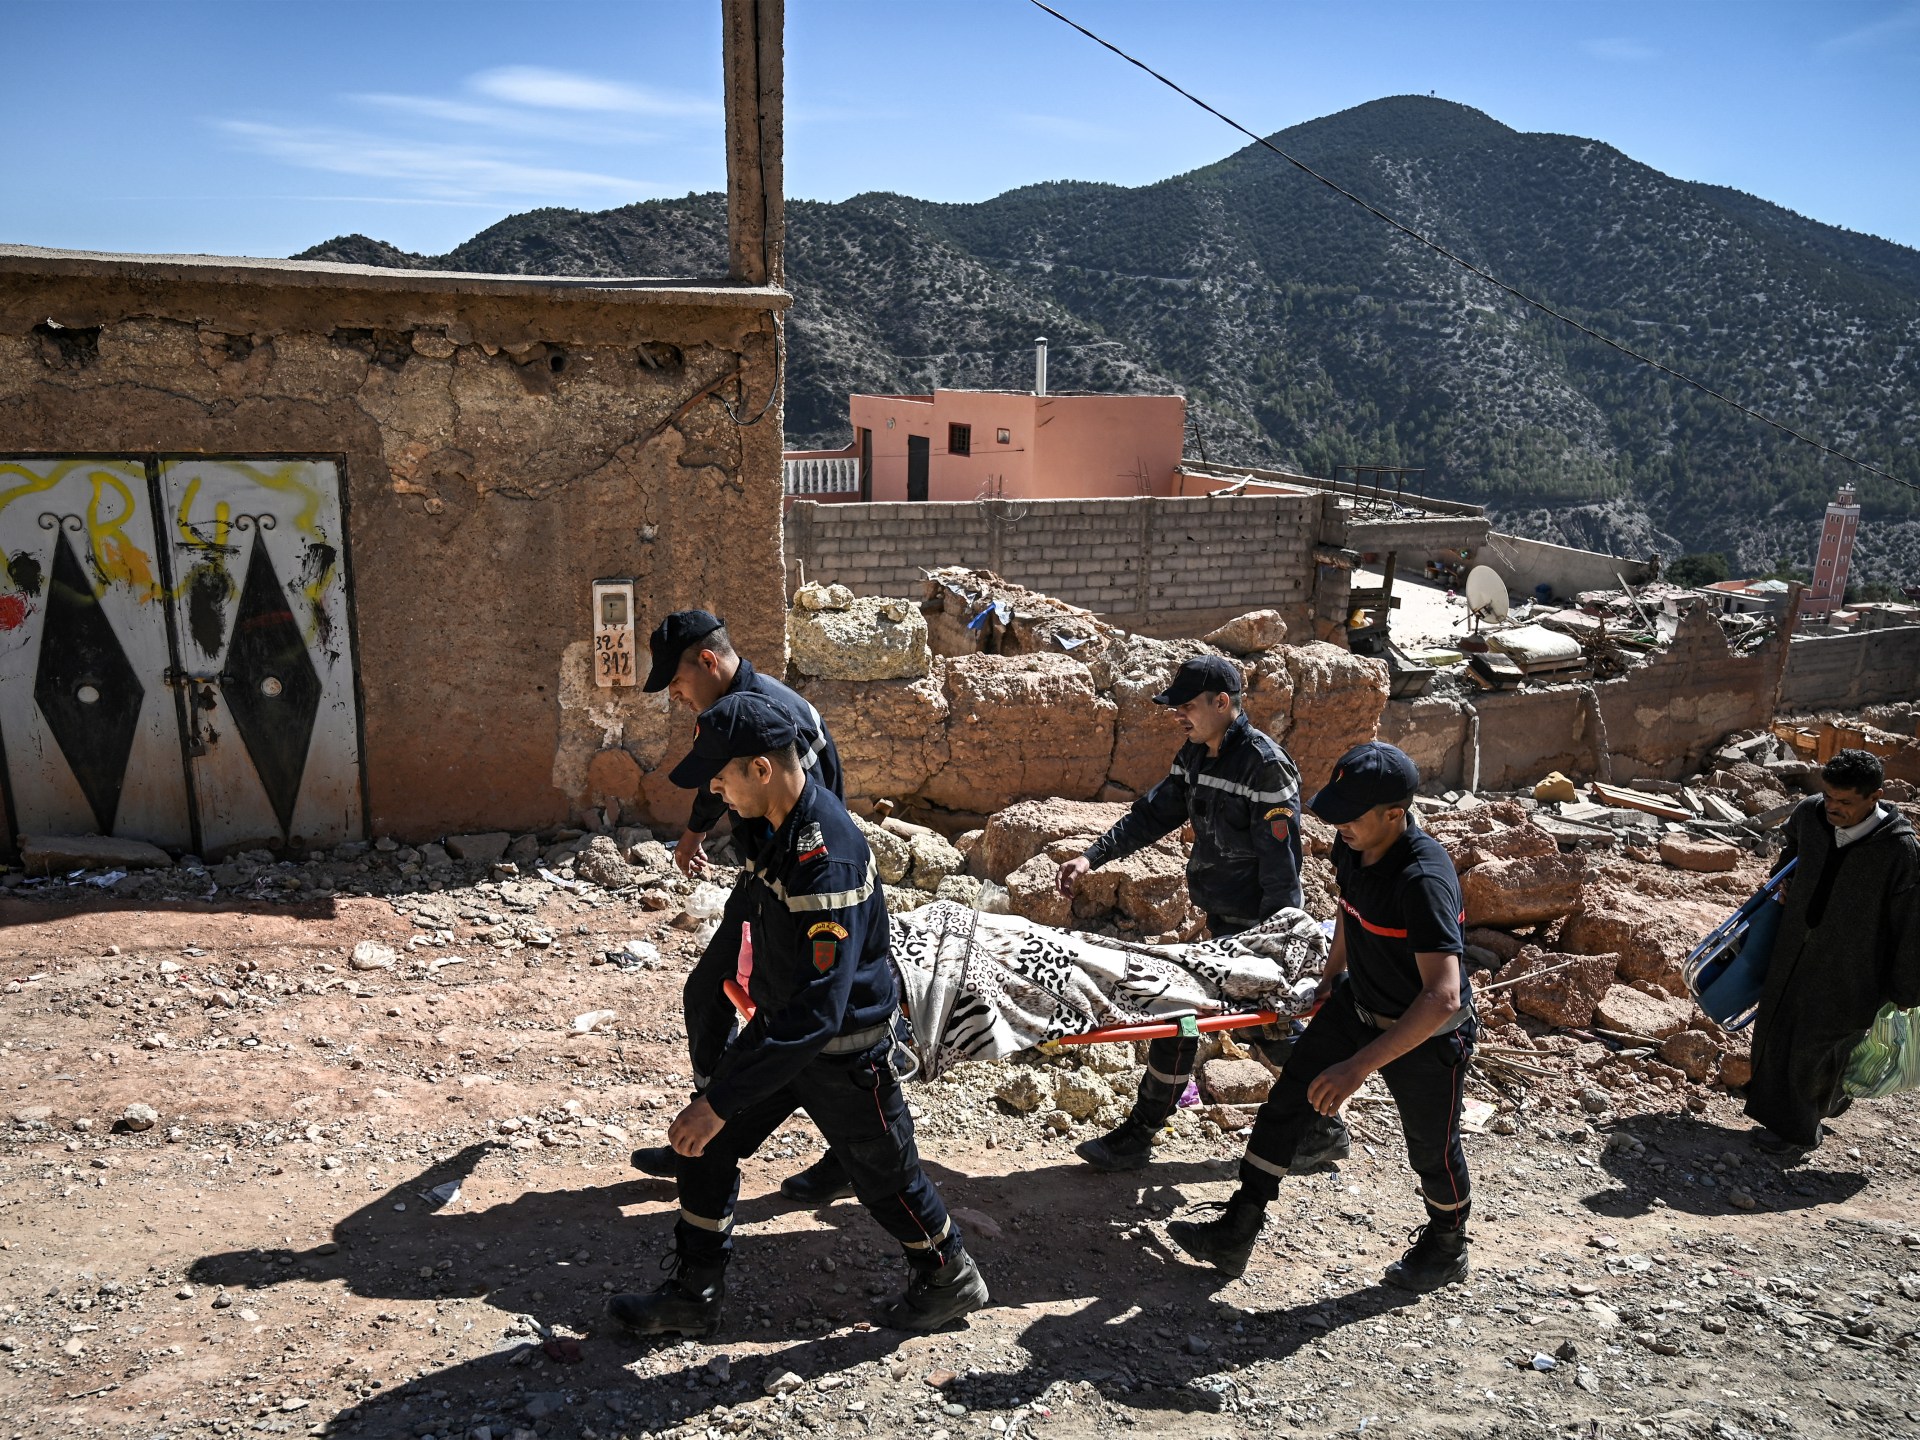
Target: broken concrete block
1250,633
823,597
1527,890
874,638
1631,1012
1021,725
49,854
1690,852
1566,998
1236,1082
483,849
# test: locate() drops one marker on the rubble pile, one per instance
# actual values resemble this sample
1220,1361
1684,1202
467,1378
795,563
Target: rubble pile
1017,696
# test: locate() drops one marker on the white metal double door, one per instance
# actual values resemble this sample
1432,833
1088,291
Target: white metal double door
176,657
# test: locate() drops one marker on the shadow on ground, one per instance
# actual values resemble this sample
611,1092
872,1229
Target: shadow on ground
549,1258
1699,1167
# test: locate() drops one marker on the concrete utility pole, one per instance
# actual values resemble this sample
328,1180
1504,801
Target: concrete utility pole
754,51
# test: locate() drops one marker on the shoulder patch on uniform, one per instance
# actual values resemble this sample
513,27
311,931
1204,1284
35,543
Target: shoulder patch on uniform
809,842
1279,812
826,937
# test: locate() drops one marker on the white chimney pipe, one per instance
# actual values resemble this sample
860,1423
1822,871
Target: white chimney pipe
1040,366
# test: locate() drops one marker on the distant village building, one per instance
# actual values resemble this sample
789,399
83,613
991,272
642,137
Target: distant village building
1829,590
1748,597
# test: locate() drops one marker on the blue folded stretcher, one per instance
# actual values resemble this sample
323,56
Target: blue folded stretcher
1727,970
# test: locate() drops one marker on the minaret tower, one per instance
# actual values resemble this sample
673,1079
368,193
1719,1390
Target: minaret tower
1836,555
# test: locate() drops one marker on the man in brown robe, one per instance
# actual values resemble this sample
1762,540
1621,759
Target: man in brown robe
1848,944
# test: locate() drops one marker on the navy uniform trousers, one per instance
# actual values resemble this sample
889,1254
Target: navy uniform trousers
857,1104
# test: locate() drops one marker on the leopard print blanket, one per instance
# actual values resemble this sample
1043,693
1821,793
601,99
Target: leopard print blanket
981,986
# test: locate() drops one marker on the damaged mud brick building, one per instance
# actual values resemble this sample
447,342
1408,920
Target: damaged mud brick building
299,552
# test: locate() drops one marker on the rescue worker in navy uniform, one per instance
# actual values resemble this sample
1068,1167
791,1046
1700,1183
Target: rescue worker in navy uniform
1396,1001
695,663
1241,793
821,1039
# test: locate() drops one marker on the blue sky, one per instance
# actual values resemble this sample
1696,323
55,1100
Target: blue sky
247,127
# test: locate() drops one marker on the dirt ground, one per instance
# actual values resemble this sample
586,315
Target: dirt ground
277,1253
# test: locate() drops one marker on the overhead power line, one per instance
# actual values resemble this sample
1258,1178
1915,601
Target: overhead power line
1475,270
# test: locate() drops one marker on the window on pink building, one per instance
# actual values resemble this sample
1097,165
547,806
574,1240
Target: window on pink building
959,439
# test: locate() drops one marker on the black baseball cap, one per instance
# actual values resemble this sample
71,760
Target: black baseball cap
1199,675
670,640
734,726
1375,773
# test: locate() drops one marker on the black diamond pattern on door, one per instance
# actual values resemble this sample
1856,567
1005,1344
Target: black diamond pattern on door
270,685
85,686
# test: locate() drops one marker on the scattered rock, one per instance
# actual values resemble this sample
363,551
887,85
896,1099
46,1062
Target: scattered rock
1529,890
784,1383
1026,1090
1566,997
871,637
1556,787
479,849
372,955
1698,853
1249,633
140,1117
1627,1010
1081,1094
1735,1070
933,861
1236,1082
600,862
1694,1052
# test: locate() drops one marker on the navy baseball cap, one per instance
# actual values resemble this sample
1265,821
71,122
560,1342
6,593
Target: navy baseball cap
670,640
1199,675
1375,773
734,726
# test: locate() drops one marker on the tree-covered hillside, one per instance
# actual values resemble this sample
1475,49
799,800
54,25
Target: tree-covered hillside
1306,333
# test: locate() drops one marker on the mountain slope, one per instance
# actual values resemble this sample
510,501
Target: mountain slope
1306,333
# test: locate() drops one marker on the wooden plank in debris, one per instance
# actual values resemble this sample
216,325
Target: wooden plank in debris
1625,799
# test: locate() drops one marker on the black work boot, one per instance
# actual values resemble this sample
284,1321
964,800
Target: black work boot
1128,1146
1226,1241
687,1302
657,1160
1327,1142
1437,1257
824,1180
937,1295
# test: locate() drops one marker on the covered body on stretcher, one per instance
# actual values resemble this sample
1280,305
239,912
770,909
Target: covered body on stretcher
980,987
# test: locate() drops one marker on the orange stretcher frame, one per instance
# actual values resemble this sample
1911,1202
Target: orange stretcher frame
1157,1030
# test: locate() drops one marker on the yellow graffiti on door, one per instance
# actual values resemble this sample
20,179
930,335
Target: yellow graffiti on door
116,559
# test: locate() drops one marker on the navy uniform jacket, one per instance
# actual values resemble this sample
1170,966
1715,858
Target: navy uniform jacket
822,966
1244,804
817,755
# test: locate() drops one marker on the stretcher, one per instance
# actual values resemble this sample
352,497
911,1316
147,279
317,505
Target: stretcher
1187,1025
1726,971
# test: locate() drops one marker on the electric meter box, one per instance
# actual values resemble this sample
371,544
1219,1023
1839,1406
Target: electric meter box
613,651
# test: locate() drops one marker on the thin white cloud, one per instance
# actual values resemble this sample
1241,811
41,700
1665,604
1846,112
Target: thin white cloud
1892,27
535,86
1061,127
434,170
1620,51
506,118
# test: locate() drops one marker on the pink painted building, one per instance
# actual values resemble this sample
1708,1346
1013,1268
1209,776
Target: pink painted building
1830,566
975,444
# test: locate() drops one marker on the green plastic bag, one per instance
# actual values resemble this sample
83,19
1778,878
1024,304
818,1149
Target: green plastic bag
1887,1061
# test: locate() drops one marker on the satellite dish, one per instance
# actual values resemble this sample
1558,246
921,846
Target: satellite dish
1486,593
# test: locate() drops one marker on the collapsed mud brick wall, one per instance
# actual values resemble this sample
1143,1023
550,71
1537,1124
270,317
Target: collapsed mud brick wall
504,442
1659,720
1157,565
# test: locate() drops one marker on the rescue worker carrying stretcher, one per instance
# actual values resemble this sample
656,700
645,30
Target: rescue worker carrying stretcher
695,663
821,1039
1393,999
1241,793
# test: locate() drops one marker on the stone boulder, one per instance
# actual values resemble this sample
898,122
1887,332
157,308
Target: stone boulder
1735,1070
1033,892
1565,998
599,861
873,637
1498,842
1499,943
1269,702
1632,1012
481,849
1236,1082
1018,727
1250,633
1529,890
892,858
1145,734
1693,1052
1337,700
1651,935
1147,890
1694,852
934,859
1016,834
891,734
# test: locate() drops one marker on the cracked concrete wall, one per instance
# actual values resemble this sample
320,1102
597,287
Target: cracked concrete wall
502,446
